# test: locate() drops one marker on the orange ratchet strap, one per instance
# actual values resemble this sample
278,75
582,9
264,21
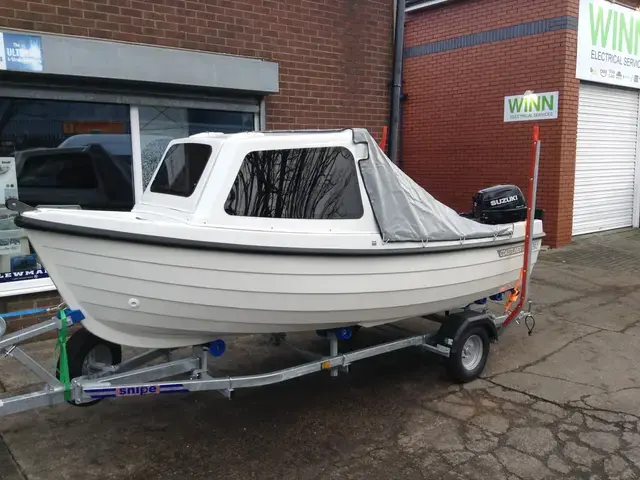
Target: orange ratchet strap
515,293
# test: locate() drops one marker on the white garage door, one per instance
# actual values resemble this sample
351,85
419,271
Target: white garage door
605,159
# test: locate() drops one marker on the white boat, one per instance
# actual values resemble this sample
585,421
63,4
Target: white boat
268,232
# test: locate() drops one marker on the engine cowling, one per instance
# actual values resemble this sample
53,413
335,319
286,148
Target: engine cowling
499,204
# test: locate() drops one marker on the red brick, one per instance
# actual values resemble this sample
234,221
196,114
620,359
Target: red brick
454,139
343,48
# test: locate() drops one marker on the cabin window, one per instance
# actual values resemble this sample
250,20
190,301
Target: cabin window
181,169
304,183
160,125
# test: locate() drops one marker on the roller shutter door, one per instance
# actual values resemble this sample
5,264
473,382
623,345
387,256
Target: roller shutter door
605,159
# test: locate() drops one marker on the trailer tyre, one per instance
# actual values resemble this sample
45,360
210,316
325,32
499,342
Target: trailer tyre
470,353
84,350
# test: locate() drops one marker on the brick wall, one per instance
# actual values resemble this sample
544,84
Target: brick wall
454,138
335,56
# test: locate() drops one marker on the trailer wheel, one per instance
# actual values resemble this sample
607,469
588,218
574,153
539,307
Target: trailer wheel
84,351
470,353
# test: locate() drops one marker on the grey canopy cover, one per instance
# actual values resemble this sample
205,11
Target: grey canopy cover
406,212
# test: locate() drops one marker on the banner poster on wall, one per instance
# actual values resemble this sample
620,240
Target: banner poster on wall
21,52
10,243
534,107
19,275
608,44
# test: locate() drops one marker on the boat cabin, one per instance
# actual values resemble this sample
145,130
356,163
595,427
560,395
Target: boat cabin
300,181
306,182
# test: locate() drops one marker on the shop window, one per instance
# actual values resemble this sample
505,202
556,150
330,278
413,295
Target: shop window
160,125
306,183
72,154
181,169
73,171
79,155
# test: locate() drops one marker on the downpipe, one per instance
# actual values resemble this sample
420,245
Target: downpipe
396,83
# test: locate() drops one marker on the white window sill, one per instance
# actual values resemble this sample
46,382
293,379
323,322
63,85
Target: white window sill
26,287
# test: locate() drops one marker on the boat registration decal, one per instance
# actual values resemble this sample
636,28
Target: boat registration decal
510,251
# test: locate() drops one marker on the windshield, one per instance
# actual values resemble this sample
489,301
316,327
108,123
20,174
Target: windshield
181,169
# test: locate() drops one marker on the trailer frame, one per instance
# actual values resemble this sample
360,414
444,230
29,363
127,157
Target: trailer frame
134,377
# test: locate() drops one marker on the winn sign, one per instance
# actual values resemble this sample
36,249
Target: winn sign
522,108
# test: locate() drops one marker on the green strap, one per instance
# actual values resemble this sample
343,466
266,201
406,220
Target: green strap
64,362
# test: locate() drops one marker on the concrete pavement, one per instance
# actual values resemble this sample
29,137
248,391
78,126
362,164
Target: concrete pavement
561,403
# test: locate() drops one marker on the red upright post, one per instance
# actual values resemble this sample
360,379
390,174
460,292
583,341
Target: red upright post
528,238
383,140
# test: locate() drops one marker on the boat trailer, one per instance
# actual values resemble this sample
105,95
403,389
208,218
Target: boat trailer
95,370
90,369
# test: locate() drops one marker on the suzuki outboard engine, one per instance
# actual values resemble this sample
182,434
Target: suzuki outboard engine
499,204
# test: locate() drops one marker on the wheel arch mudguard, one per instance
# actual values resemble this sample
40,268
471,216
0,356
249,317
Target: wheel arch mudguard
455,324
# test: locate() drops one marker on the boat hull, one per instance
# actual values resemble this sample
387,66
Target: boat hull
155,296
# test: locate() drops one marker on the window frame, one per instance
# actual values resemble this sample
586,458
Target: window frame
352,160
163,159
224,183
185,205
134,102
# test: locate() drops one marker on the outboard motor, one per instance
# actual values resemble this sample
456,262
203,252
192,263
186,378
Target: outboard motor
499,204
